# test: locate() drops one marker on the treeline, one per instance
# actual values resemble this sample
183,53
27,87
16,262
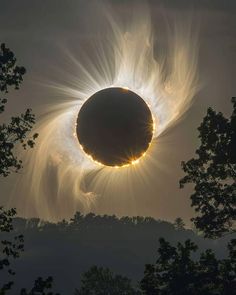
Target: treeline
90,220
68,249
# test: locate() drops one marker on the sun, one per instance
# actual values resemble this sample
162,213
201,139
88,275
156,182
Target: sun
115,127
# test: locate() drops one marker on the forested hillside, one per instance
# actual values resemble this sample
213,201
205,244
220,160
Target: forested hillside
66,249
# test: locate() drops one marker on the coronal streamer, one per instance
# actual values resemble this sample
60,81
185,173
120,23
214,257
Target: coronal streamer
57,168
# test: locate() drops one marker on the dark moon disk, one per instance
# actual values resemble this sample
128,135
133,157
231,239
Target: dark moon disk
115,126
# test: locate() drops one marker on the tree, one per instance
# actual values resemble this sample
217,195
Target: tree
101,281
10,135
179,223
213,173
10,248
174,270
177,273
41,287
11,75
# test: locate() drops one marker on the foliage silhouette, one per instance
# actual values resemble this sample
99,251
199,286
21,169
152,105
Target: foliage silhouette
10,249
19,127
101,281
41,287
213,174
12,134
124,244
179,223
176,273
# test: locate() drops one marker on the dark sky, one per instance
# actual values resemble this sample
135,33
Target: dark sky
37,31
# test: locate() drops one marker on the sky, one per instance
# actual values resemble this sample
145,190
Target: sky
40,33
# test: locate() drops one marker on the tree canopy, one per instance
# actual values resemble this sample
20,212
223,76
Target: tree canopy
101,281
177,273
19,127
11,134
9,248
213,173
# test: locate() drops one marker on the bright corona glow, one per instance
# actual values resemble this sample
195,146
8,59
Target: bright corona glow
60,178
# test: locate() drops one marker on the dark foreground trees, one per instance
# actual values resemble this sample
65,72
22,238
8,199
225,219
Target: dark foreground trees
11,249
177,273
17,130
101,281
14,133
213,173
11,75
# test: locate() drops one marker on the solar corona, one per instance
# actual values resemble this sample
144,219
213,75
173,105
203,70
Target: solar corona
115,127
113,99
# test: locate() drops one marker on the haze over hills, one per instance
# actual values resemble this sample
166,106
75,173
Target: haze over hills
66,249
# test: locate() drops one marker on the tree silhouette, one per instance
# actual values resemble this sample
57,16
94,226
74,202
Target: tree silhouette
213,173
101,281
41,287
17,130
10,248
11,134
177,273
179,223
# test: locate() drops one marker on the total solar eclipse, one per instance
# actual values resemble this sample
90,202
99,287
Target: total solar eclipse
115,127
